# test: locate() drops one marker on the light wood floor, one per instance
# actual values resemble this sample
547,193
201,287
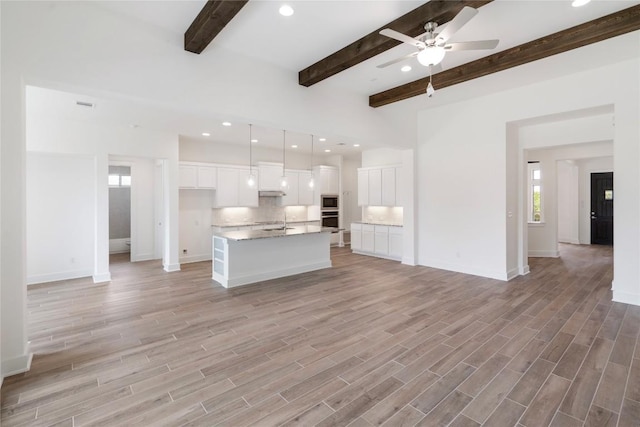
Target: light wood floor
368,342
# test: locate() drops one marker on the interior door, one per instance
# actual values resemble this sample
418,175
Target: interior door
602,208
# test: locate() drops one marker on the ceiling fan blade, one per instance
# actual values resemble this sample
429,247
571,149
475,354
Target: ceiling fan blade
475,45
402,38
395,61
457,22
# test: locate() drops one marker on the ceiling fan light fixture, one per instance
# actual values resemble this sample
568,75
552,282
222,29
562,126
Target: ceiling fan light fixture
432,55
285,10
430,90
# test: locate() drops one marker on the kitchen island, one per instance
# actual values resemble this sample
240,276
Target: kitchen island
248,256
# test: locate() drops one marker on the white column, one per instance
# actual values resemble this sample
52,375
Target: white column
101,239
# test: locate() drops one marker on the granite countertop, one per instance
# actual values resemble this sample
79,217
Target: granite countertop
372,222
249,224
264,234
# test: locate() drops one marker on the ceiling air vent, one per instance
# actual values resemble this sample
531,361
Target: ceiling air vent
84,104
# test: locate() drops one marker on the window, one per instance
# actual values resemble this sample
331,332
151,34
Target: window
119,179
535,192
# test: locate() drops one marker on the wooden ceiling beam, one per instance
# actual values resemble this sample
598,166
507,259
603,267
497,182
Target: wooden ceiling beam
615,24
213,17
411,24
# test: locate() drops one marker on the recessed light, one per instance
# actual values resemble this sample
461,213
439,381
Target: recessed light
285,10
322,139
578,3
134,126
405,68
356,145
206,134
254,140
294,146
226,124
327,151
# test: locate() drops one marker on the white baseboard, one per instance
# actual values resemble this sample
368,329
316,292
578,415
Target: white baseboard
170,268
16,365
392,258
142,257
408,261
569,240
514,272
102,277
626,297
268,275
544,254
524,270
498,275
195,258
55,277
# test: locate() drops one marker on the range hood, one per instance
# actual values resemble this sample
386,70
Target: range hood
273,193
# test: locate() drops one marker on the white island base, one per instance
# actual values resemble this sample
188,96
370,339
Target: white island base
241,262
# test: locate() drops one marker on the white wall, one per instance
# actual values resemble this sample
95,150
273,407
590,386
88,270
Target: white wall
137,147
463,173
543,238
568,202
351,210
60,216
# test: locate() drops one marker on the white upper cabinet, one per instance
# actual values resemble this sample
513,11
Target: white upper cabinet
363,187
327,179
378,186
270,174
305,193
193,175
233,190
375,187
298,192
388,187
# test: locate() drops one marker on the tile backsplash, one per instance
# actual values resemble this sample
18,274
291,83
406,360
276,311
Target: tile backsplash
384,214
268,210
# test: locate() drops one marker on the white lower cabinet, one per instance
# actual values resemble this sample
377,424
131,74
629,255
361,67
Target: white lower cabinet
356,237
377,240
381,245
395,242
368,237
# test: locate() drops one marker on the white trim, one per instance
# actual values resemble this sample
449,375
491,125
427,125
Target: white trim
120,246
268,275
142,257
195,258
512,273
17,365
544,254
170,268
102,277
498,275
373,254
569,241
524,270
626,297
409,260
55,277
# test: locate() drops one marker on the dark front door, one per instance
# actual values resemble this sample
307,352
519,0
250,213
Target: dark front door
602,208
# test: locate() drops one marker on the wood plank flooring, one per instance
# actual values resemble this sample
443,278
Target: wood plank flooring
368,342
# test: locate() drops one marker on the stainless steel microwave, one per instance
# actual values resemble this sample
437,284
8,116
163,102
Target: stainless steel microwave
329,202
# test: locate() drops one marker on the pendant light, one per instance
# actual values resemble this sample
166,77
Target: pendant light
311,181
284,183
251,179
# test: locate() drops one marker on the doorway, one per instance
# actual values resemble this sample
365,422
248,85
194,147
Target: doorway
602,208
119,213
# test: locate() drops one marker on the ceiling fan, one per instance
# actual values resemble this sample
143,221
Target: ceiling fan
432,46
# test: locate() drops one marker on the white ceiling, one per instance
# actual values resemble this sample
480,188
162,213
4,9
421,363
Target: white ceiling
317,29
